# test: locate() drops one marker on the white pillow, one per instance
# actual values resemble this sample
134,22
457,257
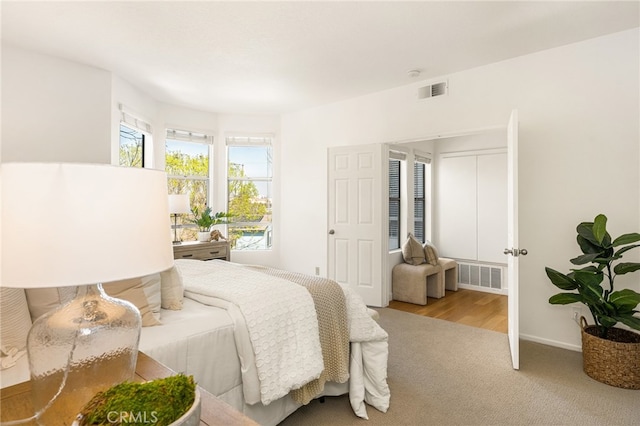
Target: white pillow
43,300
15,323
172,289
143,292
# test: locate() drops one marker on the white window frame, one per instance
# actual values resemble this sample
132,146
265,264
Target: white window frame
249,140
178,135
134,122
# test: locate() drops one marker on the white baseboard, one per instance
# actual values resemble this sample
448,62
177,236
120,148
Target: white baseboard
503,291
563,345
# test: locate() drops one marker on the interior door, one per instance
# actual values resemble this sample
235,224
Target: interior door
355,220
512,251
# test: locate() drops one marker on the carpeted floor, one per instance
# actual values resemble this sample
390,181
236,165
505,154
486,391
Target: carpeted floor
441,373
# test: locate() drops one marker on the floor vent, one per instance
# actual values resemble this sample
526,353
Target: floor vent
480,275
433,90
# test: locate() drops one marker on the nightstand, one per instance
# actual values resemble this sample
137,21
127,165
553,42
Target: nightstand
202,251
16,399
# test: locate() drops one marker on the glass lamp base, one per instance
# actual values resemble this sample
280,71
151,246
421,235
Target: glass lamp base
79,349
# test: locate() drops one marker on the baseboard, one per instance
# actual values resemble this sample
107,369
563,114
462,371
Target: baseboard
483,289
562,345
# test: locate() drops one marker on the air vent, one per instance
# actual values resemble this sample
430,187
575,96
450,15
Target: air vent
433,90
481,276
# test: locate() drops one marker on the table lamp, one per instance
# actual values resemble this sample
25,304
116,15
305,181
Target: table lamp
178,204
81,225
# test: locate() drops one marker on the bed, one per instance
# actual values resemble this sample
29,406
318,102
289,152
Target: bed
268,341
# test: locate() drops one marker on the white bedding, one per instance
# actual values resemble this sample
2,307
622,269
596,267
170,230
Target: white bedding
279,316
369,349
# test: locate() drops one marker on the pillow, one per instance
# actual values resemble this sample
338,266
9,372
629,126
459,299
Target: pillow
412,251
172,289
431,253
43,300
144,292
15,323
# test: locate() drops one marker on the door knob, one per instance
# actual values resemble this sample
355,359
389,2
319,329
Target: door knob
331,232
516,252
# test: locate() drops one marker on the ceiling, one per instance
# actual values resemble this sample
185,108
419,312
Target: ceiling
274,57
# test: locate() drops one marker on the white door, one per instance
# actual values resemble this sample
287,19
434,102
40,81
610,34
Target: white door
512,251
355,220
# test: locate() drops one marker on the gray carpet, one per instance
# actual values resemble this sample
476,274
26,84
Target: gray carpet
441,373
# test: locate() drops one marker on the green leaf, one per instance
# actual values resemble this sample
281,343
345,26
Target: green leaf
607,321
584,258
587,277
631,321
624,300
587,246
560,280
592,295
626,239
626,267
600,228
585,230
565,298
625,249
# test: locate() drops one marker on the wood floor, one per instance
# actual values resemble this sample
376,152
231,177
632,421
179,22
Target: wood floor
470,307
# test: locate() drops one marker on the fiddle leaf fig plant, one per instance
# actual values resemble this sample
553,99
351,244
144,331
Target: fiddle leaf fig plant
594,283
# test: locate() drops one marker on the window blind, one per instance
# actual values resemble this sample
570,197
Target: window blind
397,155
422,159
188,136
133,121
248,140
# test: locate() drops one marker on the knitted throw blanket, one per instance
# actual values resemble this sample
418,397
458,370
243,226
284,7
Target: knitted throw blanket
330,305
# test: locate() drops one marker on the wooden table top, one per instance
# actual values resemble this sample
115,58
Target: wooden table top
16,400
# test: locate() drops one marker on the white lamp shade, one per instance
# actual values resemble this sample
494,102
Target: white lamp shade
77,224
179,203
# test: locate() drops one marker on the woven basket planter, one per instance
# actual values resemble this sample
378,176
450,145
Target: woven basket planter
614,361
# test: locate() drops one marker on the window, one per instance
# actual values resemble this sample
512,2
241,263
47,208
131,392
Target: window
419,201
131,147
394,204
250,200
421,191
134,135
187,165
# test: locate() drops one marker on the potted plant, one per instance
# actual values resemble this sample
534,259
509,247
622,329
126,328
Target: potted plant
205,219
173,400
610,354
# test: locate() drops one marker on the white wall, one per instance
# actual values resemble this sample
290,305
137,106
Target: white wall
579,150
53,110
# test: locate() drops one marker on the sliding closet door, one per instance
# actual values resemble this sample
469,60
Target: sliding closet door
457,207
492,207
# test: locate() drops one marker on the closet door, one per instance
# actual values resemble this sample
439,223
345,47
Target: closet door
492,207
457,207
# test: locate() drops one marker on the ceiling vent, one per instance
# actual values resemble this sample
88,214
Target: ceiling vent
431,91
